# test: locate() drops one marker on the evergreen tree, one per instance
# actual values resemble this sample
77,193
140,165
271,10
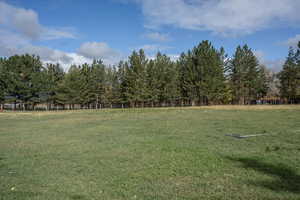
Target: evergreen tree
263,82
184,63
3,82
164,79
97,83
25,79
53,75
122,76
202,74
152,83
290,77
69,88
113,86
246,76
135,78
86,85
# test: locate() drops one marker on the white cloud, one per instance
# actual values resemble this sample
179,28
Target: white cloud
174,57
46,53
158,37
57,33
26,23
260,55
225,17
292,42
19,28
97,50
8,38
14,44
75,59
275,65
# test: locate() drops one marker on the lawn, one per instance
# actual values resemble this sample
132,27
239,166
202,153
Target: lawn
175,153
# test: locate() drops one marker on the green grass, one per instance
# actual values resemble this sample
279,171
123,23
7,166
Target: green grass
151,154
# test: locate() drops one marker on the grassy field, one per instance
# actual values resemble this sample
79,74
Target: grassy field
151,154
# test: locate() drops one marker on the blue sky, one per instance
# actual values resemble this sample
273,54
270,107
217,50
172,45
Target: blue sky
76,31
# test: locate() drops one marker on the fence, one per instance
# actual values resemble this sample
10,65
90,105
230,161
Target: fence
176,103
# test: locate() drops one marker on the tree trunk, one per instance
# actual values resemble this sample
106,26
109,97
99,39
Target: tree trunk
132,104
193,103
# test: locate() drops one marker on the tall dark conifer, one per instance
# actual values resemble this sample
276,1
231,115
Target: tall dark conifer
53,75
290,77
245,75
25,79
136,88
202,74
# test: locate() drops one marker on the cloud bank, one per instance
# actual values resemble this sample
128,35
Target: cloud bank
26,23
274,65
224,17
96,50
158,37
293,42
20,28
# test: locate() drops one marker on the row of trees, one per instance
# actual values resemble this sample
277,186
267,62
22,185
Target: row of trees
203,75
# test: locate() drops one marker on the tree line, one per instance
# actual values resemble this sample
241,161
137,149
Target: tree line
204,75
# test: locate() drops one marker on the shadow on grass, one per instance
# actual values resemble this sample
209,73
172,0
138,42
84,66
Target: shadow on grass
18,195
35,195
78,197
2,165
285,178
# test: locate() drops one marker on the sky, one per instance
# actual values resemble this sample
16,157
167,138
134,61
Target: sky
78,31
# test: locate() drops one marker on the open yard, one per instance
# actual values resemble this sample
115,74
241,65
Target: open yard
175,153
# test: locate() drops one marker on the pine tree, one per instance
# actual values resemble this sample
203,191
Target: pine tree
25,79
290,77
152,83
122,76
86,85
135,78
184,65
97,83
3,82
69,89
112,87
244,75
53,75
165,76
202,74
263,82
